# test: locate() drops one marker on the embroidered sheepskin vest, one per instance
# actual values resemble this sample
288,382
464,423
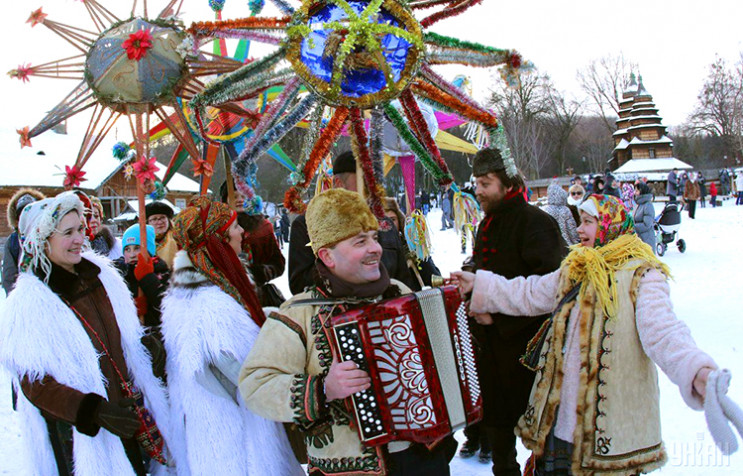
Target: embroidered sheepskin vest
618,412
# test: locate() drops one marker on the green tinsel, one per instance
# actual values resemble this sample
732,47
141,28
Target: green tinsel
420,152
450,42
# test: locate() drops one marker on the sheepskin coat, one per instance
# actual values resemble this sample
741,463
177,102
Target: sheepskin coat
595,372
41,337
202,324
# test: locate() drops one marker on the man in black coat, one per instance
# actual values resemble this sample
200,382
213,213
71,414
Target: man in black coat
301,258
514,239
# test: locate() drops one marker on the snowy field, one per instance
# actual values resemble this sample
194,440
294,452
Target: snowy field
707,280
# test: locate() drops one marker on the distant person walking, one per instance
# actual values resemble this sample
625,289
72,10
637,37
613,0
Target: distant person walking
713,194
691,194
672,185
739,188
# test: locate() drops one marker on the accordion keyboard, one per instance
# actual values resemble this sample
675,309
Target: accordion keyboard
365,405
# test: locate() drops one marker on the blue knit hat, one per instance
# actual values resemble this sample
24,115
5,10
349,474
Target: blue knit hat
131,237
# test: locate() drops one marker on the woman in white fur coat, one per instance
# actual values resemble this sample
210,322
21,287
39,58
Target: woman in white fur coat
210,318
594,406
68,306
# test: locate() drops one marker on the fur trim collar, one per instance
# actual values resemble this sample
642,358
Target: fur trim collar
13,204
185,274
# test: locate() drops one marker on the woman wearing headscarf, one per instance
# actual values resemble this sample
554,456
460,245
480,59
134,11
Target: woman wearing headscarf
103,242
71,338
594,407
210,318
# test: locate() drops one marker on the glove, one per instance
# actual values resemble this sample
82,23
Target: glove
118,418
141,303
157,352
144,266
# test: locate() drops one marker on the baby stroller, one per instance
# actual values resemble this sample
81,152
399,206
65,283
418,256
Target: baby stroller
666,226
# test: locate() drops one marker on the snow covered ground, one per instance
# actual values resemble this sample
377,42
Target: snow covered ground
707,280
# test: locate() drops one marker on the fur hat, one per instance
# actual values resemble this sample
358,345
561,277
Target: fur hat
158,208
344,163
487,161
335,215
20,199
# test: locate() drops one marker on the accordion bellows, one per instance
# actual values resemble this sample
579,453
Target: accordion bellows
418,351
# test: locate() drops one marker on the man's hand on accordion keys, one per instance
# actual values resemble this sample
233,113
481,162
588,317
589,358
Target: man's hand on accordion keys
344,379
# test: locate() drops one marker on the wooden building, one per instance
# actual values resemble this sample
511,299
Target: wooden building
42,167
640,133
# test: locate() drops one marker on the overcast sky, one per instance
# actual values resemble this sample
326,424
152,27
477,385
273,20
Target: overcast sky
672,42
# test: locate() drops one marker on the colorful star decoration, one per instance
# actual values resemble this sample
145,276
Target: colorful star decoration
137,45
202,167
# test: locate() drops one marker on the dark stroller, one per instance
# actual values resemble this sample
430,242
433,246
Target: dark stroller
667,225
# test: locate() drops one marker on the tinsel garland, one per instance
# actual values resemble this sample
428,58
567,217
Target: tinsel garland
311,135
430,91
247,184
461,57
415,117
376,131
499,140
285,8
279,130
423,4
207,28
324,176
268,37
449,88
450,42
293,196
215,92
466,212
420,152
455,8
360,147
256,85
274,111
417,236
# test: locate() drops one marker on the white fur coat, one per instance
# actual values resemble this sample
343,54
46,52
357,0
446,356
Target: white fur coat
201,324
41,336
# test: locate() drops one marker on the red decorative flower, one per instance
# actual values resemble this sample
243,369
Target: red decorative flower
37,16
25,140
21,72
515,61
202,167
144,169
137,45
73,176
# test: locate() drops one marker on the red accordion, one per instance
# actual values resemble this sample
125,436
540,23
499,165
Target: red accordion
418,352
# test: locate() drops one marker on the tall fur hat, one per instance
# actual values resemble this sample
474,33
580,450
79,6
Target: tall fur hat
335,215
20,199
487,161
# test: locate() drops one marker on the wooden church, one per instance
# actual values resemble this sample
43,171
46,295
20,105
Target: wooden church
640,133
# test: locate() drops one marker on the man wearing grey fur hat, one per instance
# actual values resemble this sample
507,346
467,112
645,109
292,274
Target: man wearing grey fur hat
513,239
12,253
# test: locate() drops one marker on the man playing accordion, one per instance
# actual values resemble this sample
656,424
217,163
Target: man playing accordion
291,374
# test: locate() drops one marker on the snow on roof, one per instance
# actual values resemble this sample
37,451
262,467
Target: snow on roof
646,126
644,109
653,116
645,103
622,145
619,132
662,140
25,167
665,164
134,206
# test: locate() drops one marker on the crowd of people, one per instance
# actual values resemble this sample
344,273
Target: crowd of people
177,355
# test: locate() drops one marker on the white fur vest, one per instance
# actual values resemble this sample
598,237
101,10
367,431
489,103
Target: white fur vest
41,336
200,324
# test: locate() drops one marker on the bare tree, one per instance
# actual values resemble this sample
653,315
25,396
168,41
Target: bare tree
563,119
604,80
593,144
719,109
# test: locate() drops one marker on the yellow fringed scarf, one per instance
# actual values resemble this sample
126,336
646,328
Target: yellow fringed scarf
595,267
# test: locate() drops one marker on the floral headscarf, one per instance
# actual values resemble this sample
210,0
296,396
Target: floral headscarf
613,217
617,247
202,230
